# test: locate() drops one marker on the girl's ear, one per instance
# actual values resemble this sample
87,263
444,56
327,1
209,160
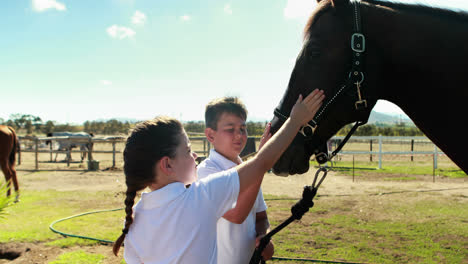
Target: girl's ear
210,134
165,165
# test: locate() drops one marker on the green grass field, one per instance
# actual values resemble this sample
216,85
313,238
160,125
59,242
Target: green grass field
398,229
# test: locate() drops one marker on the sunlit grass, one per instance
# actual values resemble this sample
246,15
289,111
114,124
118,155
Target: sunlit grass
29,219
4,200
79,257
374,230
396,168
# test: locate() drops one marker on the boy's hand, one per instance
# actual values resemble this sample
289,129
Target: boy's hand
269,250
266,136
304,110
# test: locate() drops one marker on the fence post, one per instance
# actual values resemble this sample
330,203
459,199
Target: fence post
380,151
371,149
69,157
204,147
113,154
412,149
50,150
435,157
90,149
36,153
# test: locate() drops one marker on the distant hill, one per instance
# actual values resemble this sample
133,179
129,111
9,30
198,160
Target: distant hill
377,117
120,119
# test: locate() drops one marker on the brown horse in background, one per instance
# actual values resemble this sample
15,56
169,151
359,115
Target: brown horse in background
8,147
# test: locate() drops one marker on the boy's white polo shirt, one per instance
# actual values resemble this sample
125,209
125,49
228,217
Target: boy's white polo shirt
236,242
176,224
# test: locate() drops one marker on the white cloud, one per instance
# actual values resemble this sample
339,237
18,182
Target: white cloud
185,18
299,9
43,5
106,82
120,32
138,18
228,9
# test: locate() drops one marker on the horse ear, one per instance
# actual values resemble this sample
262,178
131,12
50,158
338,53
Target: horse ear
338,4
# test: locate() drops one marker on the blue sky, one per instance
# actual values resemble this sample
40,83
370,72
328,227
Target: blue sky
77,60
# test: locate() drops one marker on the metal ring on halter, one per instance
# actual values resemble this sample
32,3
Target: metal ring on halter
362,76
325,172
304,126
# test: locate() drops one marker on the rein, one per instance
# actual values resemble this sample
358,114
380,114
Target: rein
356,76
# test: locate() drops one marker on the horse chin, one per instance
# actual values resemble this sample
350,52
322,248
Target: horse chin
293,161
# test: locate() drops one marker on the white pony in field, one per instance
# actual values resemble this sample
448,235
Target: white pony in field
69,144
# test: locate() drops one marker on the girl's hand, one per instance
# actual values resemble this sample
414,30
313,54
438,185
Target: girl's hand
304,110
266,136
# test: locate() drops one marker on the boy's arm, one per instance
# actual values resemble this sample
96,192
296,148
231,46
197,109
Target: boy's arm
252,171
262,225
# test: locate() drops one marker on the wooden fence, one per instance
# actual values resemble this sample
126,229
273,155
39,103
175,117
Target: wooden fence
36,145
375,147
380,146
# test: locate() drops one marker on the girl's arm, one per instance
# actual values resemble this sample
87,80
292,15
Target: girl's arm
252,171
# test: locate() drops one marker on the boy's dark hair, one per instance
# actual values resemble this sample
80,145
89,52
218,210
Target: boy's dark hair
215,108
148,142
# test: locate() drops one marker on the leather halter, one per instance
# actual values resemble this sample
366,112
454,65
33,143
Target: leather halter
355,77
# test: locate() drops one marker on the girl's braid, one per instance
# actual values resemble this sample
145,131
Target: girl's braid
129,201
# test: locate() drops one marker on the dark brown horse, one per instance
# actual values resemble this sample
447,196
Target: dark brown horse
8,147
359,52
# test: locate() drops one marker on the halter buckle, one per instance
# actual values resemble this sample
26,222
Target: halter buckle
321,157
358,42
360,105
307,127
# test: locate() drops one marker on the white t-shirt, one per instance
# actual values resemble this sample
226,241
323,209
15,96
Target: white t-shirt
176,224
236,242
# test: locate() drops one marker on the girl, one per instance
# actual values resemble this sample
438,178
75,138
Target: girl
176,221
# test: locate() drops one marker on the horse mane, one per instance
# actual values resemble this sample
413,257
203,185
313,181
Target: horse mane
414,8
440,12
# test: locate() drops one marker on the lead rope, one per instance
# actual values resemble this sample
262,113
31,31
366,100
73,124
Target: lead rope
302,206
297,210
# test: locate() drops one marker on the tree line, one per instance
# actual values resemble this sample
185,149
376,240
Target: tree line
34,125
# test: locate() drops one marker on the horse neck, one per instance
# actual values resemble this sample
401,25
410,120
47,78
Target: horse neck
421,54
423,70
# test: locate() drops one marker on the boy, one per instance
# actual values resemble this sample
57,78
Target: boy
225,120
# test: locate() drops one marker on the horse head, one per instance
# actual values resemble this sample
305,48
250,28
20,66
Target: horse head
336,59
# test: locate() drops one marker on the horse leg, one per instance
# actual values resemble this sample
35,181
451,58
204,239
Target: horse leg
14,179
6,171
83,154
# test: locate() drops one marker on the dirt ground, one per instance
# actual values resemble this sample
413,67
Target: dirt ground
335,184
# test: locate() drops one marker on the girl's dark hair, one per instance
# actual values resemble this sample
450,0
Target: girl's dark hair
148,142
